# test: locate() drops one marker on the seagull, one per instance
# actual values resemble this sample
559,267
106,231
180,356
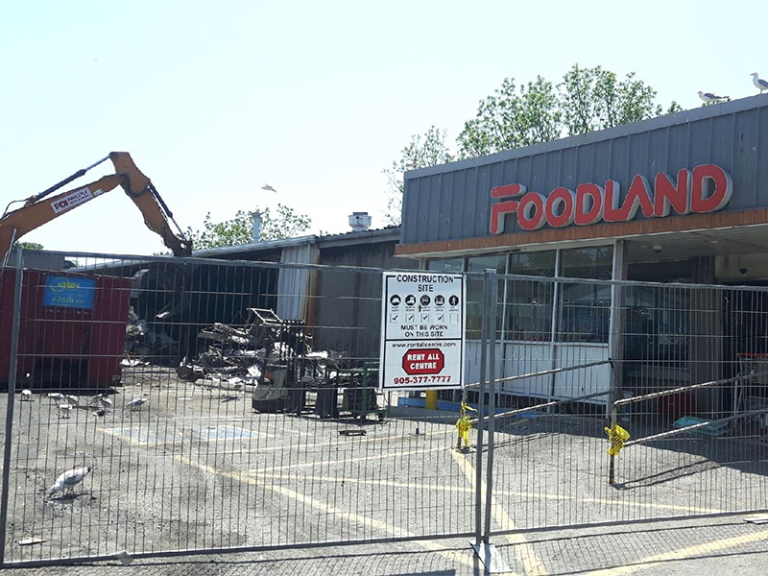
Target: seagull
137,403
57,396
268,188
26,395
98,413
759,82
710,97
69,479
100,400
65,409
74,400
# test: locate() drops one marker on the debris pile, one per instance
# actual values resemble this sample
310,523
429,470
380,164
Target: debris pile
239,355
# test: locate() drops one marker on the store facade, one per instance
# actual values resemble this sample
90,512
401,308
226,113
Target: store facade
678,199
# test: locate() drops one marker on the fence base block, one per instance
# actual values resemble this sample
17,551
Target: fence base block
491,558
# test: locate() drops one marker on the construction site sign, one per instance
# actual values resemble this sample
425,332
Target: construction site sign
422,344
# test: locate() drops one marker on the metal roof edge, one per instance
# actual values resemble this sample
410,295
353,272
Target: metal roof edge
255,246
362,237
665,121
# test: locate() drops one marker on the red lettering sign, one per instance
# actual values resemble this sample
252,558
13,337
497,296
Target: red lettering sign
707,188
423,361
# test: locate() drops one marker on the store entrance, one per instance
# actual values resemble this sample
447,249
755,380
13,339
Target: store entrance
745,339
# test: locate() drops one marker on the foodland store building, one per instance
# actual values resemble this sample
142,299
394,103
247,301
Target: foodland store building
681,198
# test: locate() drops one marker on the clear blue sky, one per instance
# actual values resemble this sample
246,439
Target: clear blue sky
214,99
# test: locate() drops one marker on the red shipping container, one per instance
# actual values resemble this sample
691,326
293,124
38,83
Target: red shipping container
72,331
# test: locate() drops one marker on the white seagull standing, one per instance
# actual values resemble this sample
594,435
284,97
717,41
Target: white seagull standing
65,409
759,82
137,403
710,97
26,395
69,479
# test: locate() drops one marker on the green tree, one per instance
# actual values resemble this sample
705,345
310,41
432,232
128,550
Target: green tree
28,245
512,118
587,99
428,149
284,223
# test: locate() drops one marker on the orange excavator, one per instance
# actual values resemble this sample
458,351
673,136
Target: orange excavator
42,208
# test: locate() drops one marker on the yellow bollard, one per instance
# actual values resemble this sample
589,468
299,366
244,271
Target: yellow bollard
431,399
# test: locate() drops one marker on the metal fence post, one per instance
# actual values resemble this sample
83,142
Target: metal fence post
480,403
11,398
491,281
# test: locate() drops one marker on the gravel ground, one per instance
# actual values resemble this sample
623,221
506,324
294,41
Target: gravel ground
198,468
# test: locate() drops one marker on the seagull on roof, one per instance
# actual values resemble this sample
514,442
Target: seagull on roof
759,82
710,97
268,188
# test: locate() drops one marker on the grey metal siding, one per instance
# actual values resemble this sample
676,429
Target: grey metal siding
452,201
347,315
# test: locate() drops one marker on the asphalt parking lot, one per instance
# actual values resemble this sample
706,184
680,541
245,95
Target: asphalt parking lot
198,469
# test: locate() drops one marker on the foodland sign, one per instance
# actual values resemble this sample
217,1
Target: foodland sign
706,188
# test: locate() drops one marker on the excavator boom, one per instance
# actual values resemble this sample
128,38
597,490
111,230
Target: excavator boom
43,208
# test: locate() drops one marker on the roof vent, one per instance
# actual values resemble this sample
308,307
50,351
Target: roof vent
359,221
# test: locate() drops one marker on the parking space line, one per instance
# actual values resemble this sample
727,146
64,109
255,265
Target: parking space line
688,553
399,484
531,563
328,509
346,460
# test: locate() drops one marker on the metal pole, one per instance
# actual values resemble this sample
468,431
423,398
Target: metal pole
480,403
612,458
11,398
491,280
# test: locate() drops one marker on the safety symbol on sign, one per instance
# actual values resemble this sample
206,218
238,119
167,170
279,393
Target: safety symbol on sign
410,299
395,300
425,300
453,300
439,300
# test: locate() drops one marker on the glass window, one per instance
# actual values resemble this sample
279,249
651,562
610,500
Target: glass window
475,290
450,265
585,309
528,314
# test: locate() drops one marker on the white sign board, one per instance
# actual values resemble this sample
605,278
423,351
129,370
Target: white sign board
422,344
72,199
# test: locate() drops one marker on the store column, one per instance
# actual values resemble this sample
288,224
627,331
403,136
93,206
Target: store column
617,322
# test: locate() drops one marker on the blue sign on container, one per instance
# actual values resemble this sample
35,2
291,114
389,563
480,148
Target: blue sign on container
69,292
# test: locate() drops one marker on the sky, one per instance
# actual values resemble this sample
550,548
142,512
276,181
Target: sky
215,99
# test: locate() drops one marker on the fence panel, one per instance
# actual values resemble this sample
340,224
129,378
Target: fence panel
697,449
163,407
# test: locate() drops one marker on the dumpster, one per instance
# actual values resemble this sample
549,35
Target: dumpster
72,329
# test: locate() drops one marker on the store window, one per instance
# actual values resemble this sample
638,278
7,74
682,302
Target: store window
528,313
475,291
447,265
585,308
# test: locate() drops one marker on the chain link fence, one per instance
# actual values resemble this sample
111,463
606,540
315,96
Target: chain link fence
166,406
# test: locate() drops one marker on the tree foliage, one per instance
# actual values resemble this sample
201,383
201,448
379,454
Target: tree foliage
586,100
28,245
428,149
284,223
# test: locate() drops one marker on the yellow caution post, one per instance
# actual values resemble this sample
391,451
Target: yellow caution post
431,399
463,426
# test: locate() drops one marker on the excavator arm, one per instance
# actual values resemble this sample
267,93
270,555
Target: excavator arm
42,208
